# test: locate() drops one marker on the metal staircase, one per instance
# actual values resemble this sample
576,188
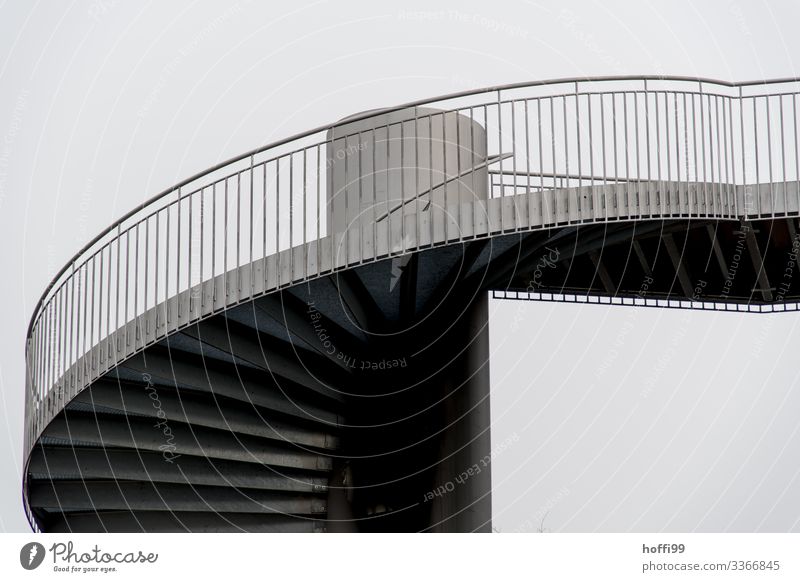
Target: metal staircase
297,339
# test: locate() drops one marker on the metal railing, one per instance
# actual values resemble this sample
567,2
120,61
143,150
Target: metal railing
659,302
672,146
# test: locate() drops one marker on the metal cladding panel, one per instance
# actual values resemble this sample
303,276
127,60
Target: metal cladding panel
408,162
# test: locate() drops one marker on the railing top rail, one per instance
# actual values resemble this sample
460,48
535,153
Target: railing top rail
372,113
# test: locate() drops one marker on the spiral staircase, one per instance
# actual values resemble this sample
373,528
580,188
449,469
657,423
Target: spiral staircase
296,340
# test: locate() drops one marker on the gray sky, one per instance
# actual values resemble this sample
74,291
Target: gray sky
617,419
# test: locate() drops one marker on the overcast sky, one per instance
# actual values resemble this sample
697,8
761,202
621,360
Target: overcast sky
619,419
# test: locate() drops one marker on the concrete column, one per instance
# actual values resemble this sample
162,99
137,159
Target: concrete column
464,469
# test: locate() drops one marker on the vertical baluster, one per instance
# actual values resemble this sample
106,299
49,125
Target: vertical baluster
459,198
616,152
591,151
703,157
719,153
100,335
446,212
303,240
156,269
687,177
627,153
711,153
473,163
264,211
783,158
137,327
84,327
278,220
528,192
239,236
147,262
417,218
758,169
733,154
726,109
432,211
37,383
319,204
554,165
796,149
225,244
72,330
291,216
694,148
213,245
566,157
250,256
744,210
647,141
167,293
117,307
127,282
201,282
502,164
604,205
62,337
402,207
541,155
769,158
345,191
578,144
667,150
189,289
659,194
107,336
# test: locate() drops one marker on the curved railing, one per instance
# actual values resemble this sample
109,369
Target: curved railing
177,249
